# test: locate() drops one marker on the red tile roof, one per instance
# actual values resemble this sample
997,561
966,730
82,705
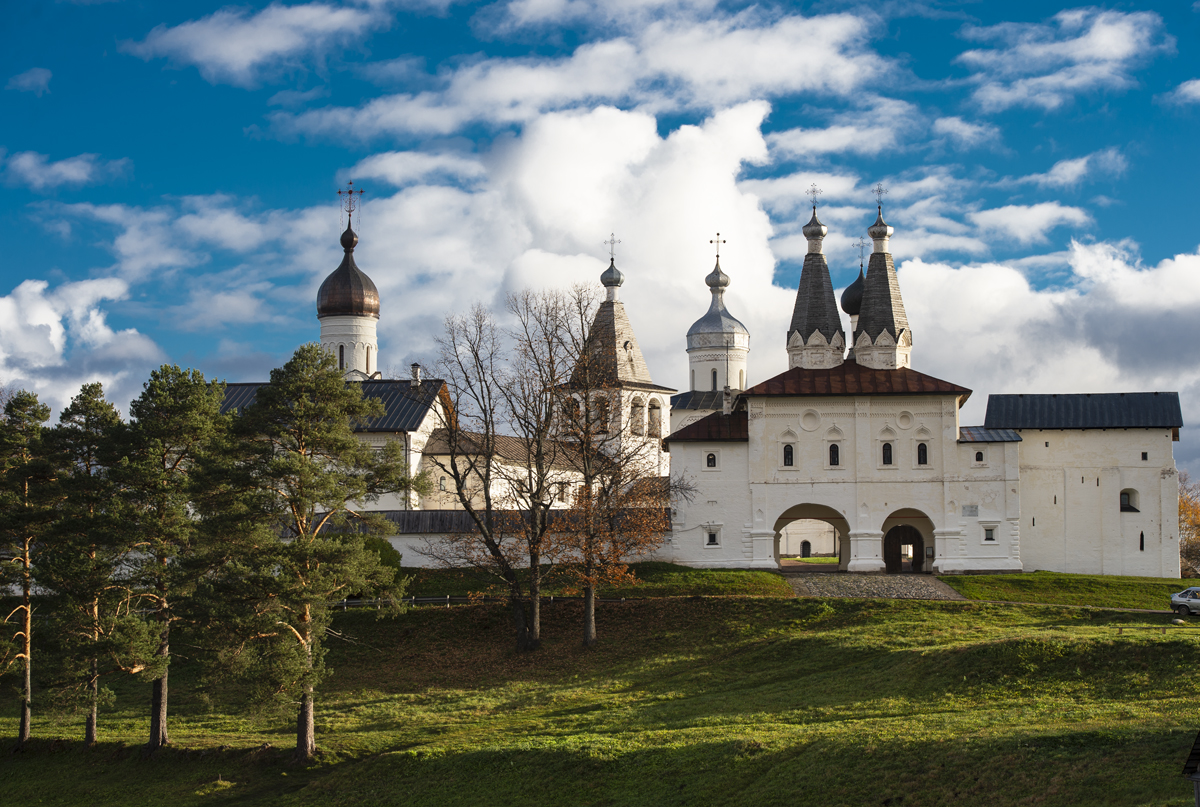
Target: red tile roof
850,378
716,427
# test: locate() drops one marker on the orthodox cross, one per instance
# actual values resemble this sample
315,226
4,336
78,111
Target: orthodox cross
718,241
862,248
612,246
349,201
879,191
812,193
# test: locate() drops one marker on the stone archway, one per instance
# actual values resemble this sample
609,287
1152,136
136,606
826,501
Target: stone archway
898,537
805,543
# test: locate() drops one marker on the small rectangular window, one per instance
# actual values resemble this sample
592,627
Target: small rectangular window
989,534
1145,456
712,539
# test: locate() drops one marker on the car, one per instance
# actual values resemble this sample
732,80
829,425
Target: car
1187,601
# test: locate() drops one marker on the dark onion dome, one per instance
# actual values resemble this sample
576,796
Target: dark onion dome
612,277
852,296
348,291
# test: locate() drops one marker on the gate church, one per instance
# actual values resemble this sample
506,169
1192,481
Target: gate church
852,445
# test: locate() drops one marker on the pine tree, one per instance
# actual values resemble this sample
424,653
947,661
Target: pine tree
26,497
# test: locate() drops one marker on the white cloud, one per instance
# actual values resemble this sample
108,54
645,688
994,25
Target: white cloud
1028,224
235,46
406,167
1186,93
667,65
964,134
1044,65
1070,173
539,13
36,171
882,124
35,80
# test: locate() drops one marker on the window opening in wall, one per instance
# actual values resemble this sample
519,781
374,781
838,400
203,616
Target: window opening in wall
1047,444
341,357
712,539
922,454
602,416
989,534
1142,542
655,419
887,453
368,359
979,456
834,452
1097,481
442,483
1056,499
637,418
711,461
1129,502
1145,456
714,379
788,456
693,379
1033,521
742,382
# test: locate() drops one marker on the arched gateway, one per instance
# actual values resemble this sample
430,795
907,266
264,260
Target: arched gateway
893,543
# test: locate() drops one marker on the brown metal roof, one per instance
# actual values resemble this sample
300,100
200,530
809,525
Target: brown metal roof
717,427
562,453
850,378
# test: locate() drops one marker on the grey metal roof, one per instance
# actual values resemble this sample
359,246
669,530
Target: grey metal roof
816,307
1111,410
718,319
406,407
697,399
980,434
882,308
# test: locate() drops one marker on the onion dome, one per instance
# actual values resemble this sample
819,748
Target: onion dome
612,277
880,232
814,228
718,320
852,296
348,291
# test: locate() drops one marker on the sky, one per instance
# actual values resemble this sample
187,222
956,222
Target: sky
168,177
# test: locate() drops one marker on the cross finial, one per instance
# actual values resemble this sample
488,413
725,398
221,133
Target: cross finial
812,193
862,248
612,245
718,241
879,191
348,198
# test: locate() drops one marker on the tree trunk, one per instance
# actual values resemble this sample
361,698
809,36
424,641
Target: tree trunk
158,697
23,732
589,616
535,602
520,624
89,729
306,738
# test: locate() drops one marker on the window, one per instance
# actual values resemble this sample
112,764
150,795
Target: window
714,379
442,483
989,534
637,417
922,454
788,456
887,453
1047,444
834,453
341,357
711,461
368,359
601,416
693,379
979,456
712,539
1145,456
1142,541
1129,501
742,383
655,419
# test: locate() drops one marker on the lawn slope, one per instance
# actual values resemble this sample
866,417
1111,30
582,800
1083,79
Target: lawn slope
1102,591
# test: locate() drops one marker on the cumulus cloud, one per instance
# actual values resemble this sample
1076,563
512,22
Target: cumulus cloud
1045,65
35,80
883,124
38,172
235,46
666,65
964,134
1070,173
541,13
1186,93
54,340
1028,224
406,167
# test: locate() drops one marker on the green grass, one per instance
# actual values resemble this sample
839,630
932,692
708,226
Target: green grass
1069,589
653,579
814,560
725,701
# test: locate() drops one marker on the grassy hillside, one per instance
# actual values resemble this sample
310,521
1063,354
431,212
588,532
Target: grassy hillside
736,701
1103,591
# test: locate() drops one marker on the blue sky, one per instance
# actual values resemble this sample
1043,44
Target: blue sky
168,171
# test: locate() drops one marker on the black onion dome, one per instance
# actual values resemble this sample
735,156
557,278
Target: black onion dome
852,296
348,291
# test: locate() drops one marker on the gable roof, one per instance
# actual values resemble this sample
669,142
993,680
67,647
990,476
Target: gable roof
699,399
506,447
406,407
717,427
851,378
1112,410
980,434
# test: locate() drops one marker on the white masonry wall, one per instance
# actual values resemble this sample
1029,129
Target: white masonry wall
356,338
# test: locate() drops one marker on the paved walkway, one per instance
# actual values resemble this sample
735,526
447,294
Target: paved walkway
886,586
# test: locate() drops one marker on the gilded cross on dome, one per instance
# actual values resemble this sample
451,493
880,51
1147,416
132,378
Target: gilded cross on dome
718,241
612,245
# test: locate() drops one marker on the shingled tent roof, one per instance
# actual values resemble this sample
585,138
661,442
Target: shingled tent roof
612,347
850,378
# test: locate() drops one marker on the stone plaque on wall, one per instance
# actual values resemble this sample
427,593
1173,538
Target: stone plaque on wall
970,511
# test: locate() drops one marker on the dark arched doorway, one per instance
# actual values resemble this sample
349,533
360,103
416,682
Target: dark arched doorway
805,549
897,538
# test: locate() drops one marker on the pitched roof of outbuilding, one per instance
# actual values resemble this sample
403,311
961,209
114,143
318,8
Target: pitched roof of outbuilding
406,406
1110,410
505,446
850,378
980,434
717,427
698,399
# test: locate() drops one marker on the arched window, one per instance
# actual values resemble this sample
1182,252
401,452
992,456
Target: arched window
834,454
368,359
979,456
637,417
922,454
887,453
601,416
711,461
714,380
1129,501
693,379
341,357
1142,541
742,381
655,418
788,456
442,483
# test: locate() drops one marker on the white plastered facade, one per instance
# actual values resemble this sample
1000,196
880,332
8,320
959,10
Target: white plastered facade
353,342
